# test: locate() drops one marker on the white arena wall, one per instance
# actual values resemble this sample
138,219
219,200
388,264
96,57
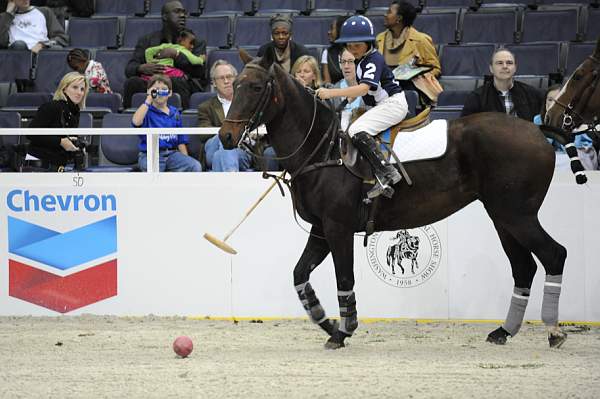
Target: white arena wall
165,267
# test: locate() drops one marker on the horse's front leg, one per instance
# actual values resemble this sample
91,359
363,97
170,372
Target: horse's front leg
314,253
341,243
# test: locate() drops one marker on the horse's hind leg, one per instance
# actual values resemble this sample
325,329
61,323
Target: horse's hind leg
523,269
552,255
314,253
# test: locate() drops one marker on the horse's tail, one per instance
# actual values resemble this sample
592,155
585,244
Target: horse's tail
566,139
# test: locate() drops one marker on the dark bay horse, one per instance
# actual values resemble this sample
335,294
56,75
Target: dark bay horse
502,161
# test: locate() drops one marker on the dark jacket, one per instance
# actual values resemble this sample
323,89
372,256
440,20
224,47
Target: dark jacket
54,114
210,113
527,100
296,51
181,62
55,30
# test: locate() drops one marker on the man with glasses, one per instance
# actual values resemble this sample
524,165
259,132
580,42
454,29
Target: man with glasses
173,21
349,79
211,114
503,93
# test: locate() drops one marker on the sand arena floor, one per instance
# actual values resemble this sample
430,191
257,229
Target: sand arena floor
110,357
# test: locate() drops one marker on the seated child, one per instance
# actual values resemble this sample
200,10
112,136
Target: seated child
186,42
95,74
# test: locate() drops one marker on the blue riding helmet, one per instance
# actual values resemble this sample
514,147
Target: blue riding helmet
356,29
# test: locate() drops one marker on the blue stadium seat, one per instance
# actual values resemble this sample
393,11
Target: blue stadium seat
94,32
114,63
9,120
464,83
576,54
86,120
441,26
376,18
15,65
215,30
119,7
232,56
550,25
109,102
251,31
593,24
227,7
281,6
198,98
336,7
191,6
311,30
118,153
487,26
528,56
449,3
466,59
453,97
26,104
138,27
383,5
51,67
189,120
448,115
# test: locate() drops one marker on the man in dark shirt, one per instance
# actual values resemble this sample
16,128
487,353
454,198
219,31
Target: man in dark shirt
503,93
173,18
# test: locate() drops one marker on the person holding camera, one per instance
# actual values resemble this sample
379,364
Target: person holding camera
155,112
56,151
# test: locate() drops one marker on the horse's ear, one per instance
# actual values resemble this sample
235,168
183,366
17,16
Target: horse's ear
244,56
268,58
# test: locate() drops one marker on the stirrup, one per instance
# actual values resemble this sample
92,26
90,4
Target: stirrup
379,189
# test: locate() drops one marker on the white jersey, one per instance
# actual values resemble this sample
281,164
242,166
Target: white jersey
29,27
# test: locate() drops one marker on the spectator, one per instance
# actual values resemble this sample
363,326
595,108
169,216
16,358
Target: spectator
211,114
349,80
79,61
503,93
155,112
25,27
57,151
186,41
330,59
173,18
286,50
583,143
380,91
306,70
401,43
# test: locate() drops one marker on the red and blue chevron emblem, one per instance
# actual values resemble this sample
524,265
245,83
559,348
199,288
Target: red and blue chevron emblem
62,271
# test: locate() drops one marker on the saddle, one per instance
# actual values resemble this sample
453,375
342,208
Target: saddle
359,166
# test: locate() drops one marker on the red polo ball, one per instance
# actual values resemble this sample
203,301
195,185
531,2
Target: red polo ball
183,346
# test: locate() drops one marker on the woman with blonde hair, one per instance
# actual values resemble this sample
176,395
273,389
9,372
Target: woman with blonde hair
306,70
55,151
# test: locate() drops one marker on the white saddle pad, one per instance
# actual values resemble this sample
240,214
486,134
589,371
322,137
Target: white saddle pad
426,143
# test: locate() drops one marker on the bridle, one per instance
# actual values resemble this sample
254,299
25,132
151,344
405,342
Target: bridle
572,111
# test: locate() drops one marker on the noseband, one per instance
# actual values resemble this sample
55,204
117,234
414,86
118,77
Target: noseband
572,111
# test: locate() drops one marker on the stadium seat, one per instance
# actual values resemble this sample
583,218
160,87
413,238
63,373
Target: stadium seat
336,7
215,30
444,114
51,67
466,59
26,104
537,81
119,7
251,31
16,64
453,97
592,31
118,153
528,56
449,3
9,120
227,7
232,56
489,26
191,6
94,32
383,5
550,25
576,54
103,102
311,30
189,120
281,6
464,83
137,27
376,18
114,63
412,100
86,120
441,26
198,98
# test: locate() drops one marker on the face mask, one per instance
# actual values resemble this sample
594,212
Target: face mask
159,93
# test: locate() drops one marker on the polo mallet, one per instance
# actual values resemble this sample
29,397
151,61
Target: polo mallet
221,243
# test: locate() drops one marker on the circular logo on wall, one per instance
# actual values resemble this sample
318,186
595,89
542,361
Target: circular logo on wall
405,258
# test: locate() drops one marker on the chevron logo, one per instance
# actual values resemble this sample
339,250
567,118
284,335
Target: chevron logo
62,271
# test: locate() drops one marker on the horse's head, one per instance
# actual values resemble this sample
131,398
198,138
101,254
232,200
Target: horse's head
579,100
256,98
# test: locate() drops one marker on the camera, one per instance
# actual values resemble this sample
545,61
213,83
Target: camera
80,157
159,93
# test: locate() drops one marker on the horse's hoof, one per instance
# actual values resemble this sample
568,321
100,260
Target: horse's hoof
556,340
330,326
498,336
334,344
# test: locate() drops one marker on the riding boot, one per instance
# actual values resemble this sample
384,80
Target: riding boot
385,173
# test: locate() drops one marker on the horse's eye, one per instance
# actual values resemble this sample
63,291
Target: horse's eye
257,89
